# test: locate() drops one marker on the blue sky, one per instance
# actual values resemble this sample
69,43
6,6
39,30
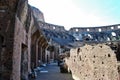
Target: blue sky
79,13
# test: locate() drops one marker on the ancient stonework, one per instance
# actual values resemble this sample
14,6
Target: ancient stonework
96,62
27,41
7,25
38,14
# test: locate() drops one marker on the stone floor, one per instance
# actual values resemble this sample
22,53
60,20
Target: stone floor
52,72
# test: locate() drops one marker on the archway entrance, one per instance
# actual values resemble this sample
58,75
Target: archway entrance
1,51
24,62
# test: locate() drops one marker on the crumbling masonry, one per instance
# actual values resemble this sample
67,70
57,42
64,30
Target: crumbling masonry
20,37
96,62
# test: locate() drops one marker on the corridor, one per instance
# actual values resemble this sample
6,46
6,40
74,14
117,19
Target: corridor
52,72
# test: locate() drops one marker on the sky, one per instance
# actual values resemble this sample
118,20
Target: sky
79,13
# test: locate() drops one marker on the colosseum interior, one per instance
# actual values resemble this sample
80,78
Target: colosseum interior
26,39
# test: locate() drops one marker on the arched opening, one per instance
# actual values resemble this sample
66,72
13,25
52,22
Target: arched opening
24,62
88,29
113,33
118,27
1,44
1,51
90,36
76,30
108,39
34,55
99,30
113,36
54,27
112,27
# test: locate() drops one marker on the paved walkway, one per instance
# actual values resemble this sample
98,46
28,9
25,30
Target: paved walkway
52,72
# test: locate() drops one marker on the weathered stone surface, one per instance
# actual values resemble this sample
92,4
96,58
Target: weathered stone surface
7,22
38,14
96,62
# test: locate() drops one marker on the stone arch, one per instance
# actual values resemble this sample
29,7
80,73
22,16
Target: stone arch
108,39
24,62
118,26
89,36
76,30
117,34
113,36
99,29
1,43
1,39
113,33
105,36
80,36
109,35
88,29
34,37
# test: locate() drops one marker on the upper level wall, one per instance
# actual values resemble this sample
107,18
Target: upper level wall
79,29
51,26
95,29
100,34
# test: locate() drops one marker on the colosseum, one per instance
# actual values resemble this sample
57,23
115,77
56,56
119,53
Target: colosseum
27,41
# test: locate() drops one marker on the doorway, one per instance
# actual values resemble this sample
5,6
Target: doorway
24,62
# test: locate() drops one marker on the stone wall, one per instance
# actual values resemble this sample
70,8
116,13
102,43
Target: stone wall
95,29
38,14
7,24
96,62
19,40
15,39
22,39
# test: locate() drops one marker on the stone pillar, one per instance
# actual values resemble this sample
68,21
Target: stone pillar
41,53
52,55
47,56
36,59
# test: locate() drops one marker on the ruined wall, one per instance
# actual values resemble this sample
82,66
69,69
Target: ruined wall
20,38
95,29
38,14
7,24
22,41
96,62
